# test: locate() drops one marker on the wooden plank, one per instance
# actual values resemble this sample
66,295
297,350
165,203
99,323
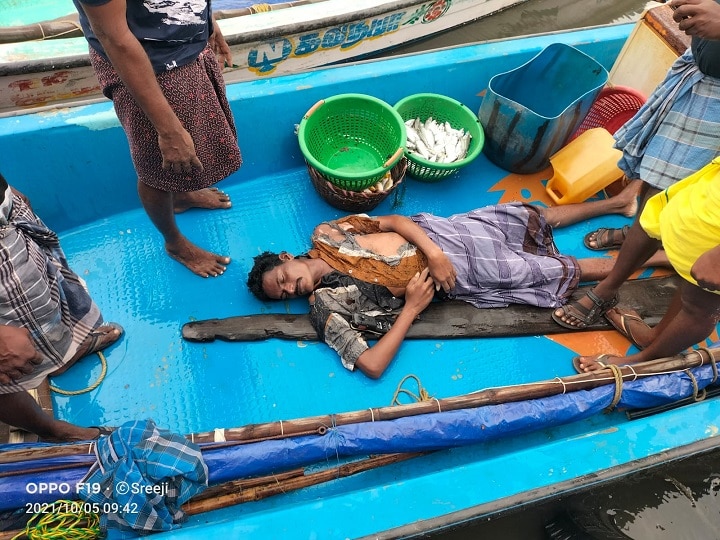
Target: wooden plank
655,36
650,297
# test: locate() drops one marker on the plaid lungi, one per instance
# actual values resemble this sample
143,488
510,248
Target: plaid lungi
196,92
677,131
38,291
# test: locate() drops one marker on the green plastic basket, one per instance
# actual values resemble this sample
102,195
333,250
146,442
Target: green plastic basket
352,139
442,109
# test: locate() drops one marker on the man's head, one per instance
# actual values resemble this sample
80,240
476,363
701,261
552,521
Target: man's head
280,276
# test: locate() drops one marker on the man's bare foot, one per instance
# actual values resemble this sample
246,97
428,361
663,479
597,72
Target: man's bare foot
627,198
587,364
208,198
63,432
629,323
197,260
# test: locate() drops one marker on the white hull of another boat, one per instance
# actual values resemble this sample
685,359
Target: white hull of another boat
55,72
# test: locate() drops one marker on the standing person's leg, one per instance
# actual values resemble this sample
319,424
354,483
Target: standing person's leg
22,411
695,321
208,198
635,251
159,206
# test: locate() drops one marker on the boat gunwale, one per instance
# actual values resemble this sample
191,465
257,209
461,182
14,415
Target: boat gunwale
240,38
537,496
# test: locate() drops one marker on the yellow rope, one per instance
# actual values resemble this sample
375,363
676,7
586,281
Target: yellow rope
422,394
260,8
93,386
618,376
67,521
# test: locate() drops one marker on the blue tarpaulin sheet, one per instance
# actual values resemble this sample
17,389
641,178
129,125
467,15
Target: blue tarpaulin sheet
410,434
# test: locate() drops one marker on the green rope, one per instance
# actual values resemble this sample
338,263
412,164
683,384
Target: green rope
93,386
68,521
422,394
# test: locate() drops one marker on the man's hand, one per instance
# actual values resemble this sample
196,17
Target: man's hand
706,270
442,271
220,47
178,152
18,355
699,18
419,292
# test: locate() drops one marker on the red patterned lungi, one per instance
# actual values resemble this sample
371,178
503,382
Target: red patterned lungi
196,92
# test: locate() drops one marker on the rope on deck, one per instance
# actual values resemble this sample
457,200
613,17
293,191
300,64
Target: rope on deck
93,386
69,520
422,394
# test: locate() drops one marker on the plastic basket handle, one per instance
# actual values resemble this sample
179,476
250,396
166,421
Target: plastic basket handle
313,108
395,156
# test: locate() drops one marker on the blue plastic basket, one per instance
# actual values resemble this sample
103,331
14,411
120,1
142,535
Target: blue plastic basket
530,112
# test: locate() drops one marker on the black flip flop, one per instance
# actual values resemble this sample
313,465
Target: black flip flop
95,337
624,328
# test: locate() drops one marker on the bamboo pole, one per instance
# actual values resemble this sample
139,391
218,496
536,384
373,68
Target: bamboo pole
241,491
492,396
58,28
255,489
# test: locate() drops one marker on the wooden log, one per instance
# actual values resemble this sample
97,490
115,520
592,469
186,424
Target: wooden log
455,319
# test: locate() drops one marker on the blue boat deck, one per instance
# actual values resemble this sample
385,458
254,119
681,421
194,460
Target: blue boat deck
190,387
79,176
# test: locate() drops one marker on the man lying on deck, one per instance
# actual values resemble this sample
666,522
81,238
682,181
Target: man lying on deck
47,319
685,220
391,268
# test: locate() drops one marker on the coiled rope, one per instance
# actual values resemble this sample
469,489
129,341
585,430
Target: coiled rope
422,394
62,525
260,8
93,386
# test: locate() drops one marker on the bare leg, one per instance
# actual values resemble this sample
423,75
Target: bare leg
646,191
699,313
208,198
637,248
22,411
624,203
598,268
159,207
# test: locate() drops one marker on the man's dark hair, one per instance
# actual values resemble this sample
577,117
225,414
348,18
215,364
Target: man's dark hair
262,263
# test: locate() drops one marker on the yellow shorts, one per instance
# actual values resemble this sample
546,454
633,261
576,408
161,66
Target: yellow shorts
686,218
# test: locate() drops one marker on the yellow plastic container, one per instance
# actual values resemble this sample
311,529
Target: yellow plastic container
583,167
